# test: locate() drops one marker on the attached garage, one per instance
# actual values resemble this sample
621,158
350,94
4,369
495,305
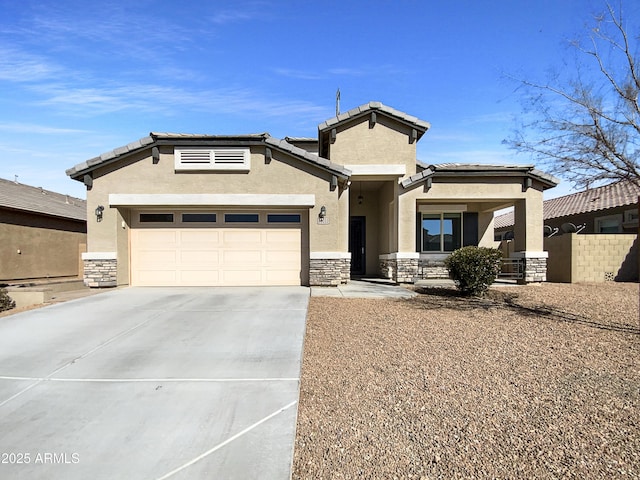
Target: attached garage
216,248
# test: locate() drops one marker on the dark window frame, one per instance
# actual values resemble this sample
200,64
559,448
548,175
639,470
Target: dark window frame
249,218
156,217
284,218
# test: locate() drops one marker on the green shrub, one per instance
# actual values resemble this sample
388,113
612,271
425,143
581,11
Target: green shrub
474,269
6,303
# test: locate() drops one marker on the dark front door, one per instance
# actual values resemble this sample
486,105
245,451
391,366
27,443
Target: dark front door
357,244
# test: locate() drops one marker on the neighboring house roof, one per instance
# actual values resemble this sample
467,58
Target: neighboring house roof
164,138
458,169
367,108
301,139
616,194
16,196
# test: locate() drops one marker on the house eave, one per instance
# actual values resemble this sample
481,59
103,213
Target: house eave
180,140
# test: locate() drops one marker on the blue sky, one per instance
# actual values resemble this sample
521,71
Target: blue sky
79,78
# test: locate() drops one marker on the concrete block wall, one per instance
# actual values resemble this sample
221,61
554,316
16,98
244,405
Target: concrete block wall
600,258
592,258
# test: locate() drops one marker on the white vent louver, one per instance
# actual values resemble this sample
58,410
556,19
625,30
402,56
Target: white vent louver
195,157
212,159
229,157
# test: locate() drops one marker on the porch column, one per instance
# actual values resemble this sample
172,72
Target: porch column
399,267
529,237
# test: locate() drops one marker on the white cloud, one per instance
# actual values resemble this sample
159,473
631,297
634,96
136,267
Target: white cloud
299,74
165,99
19,66
37,129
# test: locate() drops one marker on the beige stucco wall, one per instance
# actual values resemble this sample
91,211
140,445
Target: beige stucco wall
592,258
283,175
46,250
387,143
560,262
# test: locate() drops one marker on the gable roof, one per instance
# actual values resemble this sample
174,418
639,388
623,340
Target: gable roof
613,195
16,196
464,169
367,108
182,139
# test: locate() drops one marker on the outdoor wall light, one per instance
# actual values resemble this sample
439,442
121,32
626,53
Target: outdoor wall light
323,212
99,210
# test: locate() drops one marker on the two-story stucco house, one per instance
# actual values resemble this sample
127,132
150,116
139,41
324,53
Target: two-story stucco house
184,209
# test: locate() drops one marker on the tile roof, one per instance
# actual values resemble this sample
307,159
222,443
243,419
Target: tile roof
309,157
504,220
301,139
17,196
616,194
379,107
480,168
156,138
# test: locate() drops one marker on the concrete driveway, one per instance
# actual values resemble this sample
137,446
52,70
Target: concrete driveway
153,383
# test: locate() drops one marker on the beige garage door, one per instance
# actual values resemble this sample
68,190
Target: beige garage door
177,254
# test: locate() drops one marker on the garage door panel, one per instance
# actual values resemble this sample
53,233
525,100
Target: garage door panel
237,237
283,236
242,277
199,278
215,256
157,257
199,257
160,278
157,237
283,257
244,257
283,277
202,238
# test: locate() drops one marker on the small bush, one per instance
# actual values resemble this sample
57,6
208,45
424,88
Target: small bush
474,269
6,303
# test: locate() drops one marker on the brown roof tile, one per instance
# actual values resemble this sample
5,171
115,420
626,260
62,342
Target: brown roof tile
17,196
616,194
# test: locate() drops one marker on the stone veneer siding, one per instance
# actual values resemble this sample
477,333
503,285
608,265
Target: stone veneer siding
100,272
428,269
535,270
329,272
400,270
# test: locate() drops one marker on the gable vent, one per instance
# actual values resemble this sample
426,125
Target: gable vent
212,158
229,157
195,157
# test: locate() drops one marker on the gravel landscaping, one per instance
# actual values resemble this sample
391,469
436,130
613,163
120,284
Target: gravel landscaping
539,381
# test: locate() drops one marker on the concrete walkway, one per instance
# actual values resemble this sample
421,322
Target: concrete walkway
364,288
153,383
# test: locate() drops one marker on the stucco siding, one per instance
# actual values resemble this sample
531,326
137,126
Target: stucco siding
35,252
387,143
283,175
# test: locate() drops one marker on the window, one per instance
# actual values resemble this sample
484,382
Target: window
631,218
156,217
212,158
199,217
283,218
611,224
241,218
441,232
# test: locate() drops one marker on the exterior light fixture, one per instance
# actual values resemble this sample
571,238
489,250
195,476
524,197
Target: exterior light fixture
323,212
98,212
